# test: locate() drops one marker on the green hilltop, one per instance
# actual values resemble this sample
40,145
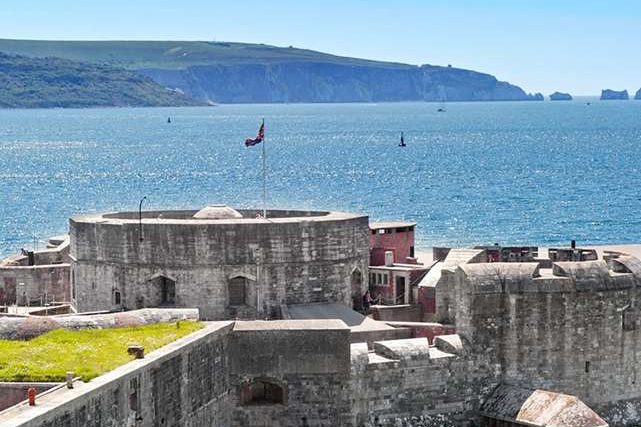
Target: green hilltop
53,82
175,54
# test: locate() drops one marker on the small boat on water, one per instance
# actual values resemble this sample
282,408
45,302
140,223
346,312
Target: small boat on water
168,119
441,109
402,143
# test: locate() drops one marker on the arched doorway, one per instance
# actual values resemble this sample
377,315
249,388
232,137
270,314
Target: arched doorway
263,391
165,290
237,291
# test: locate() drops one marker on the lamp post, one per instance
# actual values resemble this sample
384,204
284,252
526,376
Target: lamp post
140,219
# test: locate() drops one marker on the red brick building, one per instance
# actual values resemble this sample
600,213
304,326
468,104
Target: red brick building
397,237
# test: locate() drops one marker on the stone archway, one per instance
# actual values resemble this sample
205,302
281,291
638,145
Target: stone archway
263,391
237,290
164,290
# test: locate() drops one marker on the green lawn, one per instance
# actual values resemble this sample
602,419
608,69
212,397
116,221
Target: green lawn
86,353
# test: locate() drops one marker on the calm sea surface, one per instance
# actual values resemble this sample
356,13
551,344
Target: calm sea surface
510,172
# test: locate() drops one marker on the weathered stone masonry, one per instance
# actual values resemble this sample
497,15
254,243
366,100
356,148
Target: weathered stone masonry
280,374
572,329
212,264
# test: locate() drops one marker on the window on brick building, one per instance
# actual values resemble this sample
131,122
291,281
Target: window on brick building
237,291
262,392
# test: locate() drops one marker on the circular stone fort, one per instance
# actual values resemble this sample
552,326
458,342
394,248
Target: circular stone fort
227,263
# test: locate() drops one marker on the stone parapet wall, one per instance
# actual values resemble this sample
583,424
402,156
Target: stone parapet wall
405,381
184,383
397,313
35,284
12,393
206,379
26,327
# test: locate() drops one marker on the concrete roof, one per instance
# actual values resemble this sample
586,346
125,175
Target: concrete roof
185,217
390,224
492,270
399,267
356,321
581,269
539,408
295,325
433,276
631,263
461,256
325,311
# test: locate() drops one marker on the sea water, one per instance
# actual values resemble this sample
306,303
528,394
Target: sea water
538,173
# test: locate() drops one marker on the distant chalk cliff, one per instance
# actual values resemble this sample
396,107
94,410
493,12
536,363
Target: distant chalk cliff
322,82
243,73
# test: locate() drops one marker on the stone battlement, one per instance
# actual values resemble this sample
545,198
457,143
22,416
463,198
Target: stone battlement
577,276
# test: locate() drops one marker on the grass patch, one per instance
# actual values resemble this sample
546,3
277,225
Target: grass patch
88,353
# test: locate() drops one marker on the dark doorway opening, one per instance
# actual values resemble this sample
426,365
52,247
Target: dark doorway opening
400,290
262,392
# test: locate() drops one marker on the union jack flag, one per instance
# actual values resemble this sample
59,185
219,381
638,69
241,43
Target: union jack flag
250,142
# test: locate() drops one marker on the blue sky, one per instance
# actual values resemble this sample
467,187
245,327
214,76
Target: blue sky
579,46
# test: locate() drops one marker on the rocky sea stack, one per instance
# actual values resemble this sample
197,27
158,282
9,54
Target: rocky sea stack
560,96
638,95
609,94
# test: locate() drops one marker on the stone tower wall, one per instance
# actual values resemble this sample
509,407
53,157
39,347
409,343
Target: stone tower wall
301,260
575,333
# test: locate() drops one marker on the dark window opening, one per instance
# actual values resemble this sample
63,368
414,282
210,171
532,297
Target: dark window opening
262,392
629,319
237,289
117,297
133,395
167,291
356,284
73,285
400,290
411,251
587,366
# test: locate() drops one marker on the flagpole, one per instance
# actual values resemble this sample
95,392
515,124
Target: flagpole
264,177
